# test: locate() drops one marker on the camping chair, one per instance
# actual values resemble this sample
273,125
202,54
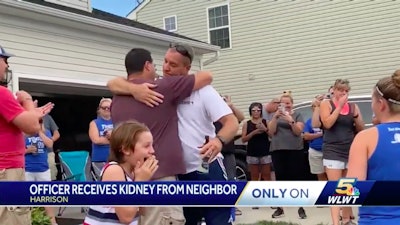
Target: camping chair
75,166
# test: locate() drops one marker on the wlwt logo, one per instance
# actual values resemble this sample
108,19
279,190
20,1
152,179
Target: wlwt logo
345,193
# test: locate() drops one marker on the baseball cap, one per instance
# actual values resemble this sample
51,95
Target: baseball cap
4,54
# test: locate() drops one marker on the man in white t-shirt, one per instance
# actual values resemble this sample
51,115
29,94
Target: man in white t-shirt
196,115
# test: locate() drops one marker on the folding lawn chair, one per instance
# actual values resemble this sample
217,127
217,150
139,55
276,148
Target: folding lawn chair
75,166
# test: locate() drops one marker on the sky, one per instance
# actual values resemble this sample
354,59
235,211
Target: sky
117,7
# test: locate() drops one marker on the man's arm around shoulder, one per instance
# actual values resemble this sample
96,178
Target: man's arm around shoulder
202,79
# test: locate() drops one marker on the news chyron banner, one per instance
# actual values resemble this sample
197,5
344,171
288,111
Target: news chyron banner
345,192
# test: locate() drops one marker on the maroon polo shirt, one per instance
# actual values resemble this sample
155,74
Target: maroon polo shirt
161,120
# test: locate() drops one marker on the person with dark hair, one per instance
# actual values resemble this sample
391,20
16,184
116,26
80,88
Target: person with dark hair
131,159
196,115
375,152
37,167
17,114
228,150
255,133
161,120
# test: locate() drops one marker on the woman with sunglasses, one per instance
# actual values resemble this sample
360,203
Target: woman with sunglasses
100,132
375,152
255,133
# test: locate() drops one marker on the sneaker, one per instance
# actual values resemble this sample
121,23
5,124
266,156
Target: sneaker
302,213
351,218
274,207
238,212
254,207
278,213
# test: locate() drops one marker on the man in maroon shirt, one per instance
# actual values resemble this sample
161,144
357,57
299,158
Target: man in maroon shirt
162,122
16,116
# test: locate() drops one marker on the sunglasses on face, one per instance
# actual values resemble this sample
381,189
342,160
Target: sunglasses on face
256,110
182,50
106,108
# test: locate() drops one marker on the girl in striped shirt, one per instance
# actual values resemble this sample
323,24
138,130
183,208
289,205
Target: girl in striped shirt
131,159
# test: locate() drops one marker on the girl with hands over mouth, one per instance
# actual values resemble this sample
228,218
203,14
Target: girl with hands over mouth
131,159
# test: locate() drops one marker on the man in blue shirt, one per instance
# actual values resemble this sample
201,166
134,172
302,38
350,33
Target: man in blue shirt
314,136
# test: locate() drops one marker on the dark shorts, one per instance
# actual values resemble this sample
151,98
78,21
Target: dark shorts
230,166
212,215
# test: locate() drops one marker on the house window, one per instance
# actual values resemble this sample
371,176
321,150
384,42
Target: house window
170,23
219,26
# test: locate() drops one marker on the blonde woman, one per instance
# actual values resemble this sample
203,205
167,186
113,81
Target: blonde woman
286,128
340,120
100,130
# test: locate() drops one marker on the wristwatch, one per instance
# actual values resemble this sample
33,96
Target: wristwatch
221,140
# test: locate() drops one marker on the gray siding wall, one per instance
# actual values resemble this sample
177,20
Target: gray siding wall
302,46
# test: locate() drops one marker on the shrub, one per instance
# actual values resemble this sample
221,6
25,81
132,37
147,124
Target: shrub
39,217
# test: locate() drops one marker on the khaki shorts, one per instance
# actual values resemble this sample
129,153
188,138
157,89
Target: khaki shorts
315,160
14,215
171,215
52,165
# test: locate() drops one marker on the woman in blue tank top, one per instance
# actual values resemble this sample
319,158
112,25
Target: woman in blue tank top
99,132
375,152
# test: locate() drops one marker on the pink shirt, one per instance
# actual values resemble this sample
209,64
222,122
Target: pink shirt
12,146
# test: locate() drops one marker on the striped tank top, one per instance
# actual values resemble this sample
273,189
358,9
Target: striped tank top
105,215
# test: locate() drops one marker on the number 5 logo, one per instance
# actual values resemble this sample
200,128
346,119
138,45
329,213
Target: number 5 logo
345,184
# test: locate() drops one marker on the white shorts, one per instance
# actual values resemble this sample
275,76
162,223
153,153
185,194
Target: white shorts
264,160
315,161
334,164
38,176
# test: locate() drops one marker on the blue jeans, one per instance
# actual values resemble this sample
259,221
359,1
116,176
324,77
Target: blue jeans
212,215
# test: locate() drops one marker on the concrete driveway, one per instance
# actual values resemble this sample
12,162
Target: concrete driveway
315,216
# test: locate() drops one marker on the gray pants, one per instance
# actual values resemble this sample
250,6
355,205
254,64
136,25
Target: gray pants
230,166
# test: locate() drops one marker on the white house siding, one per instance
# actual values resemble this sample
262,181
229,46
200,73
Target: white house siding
78,4
50,50
302,46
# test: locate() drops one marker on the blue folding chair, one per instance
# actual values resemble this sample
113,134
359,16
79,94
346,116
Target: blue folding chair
75,166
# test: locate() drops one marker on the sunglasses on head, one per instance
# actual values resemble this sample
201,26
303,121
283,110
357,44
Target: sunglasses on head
182,50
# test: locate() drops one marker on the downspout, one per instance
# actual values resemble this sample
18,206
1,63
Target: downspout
213,59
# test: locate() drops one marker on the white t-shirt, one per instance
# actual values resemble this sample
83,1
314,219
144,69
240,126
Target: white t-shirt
196,116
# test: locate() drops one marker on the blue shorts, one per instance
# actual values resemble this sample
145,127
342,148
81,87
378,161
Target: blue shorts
212,215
